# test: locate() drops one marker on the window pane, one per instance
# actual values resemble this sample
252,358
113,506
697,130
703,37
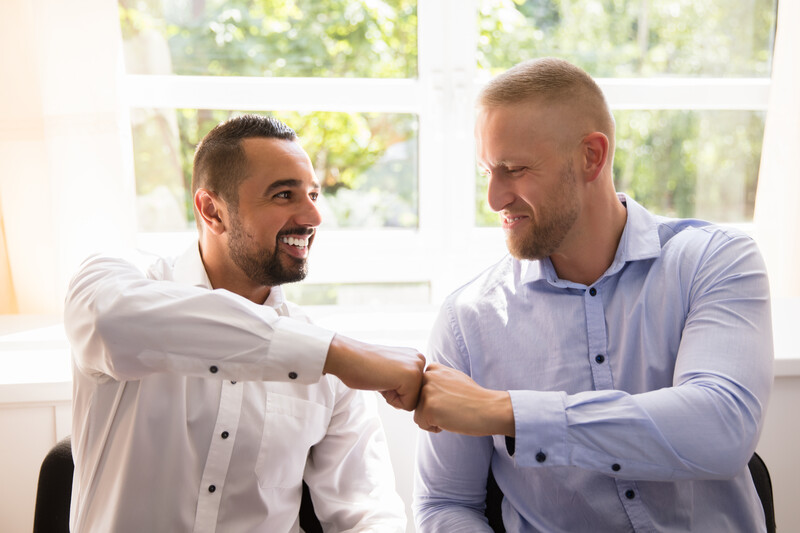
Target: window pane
366,163
701,164
300,38
631,38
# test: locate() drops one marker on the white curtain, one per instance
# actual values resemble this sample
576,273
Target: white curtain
777,214
65,183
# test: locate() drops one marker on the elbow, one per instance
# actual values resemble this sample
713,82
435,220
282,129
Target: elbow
728,464
729,450
90,324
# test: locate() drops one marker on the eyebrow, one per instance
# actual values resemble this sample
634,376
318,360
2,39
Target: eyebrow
289,182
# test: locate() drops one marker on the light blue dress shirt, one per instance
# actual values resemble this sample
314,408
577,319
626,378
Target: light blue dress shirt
637,400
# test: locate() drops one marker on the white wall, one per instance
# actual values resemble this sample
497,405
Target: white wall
779,445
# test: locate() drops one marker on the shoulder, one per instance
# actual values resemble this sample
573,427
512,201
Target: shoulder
688,239
488,290
131,261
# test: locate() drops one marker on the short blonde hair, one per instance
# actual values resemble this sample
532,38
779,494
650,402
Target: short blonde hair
550,80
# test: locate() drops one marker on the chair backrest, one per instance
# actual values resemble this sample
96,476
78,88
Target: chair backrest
51,514
758,471
763,483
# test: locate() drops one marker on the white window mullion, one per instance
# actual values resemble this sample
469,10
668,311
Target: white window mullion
269,94
447,46
686,93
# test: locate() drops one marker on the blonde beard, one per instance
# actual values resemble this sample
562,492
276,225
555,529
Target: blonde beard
547,231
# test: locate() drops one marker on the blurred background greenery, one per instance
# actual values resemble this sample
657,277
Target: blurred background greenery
684,163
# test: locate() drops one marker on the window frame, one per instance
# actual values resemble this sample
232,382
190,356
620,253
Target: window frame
442,98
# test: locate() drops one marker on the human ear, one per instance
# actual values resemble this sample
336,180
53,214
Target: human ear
594,155
209,207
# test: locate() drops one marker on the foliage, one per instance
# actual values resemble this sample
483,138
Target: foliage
682,163
334,38
678,163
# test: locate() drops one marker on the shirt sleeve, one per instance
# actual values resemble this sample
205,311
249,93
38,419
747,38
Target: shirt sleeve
706,425
349,472
452,470
123,325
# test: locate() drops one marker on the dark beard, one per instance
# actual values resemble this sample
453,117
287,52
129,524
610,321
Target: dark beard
264,266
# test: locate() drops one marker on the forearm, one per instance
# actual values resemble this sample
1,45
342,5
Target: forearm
702,430
433,517
450,485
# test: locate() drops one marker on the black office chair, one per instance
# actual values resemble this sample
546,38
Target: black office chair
51,514
53,494
758,470
763,483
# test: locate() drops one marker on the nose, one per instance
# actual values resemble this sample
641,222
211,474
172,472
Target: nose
308,214
499,194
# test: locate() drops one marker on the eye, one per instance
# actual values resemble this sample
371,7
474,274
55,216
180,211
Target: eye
515,170
314,196
284,194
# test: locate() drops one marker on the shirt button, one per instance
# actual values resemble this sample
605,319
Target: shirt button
615,467
593,291
212,488
630,494
292,375
213,369
541,457
600,358
225,434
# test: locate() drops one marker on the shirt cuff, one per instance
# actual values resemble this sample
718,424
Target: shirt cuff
541,428
302,347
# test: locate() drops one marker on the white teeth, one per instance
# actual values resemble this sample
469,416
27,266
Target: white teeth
302,243
510,220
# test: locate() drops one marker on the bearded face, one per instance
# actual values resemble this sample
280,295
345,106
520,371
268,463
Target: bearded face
269,266
549,224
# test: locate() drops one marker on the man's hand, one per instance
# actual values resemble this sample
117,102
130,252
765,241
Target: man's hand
450,400
395,372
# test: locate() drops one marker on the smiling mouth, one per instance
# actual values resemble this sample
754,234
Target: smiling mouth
300,242
510,221
296,242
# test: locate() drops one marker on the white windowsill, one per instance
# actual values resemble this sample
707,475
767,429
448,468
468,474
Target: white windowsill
36,364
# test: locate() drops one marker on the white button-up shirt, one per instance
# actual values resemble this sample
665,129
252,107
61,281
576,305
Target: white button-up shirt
198,410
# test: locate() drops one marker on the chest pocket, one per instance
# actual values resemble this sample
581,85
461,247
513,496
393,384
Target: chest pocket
291,427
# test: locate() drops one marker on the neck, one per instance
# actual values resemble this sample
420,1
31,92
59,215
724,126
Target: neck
225,274
593,242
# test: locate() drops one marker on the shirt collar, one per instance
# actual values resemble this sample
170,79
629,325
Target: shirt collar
639,241
189,269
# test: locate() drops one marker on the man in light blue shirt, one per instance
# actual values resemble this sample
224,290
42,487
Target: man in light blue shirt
613,371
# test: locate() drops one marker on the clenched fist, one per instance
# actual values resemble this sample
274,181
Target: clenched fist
395,372
450,400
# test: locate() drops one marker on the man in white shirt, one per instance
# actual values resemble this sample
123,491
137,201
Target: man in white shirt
202,399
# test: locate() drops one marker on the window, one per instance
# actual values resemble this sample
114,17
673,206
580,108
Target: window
689,153
381,94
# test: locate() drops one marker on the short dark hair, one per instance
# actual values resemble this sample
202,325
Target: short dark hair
220,162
